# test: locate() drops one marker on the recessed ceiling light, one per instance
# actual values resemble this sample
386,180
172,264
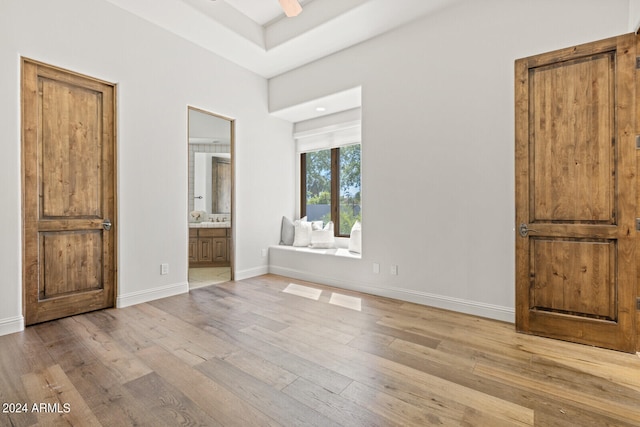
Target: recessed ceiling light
320,109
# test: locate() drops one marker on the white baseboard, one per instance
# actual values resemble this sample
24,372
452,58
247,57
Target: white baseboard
251,272
11,325
505,314
147,295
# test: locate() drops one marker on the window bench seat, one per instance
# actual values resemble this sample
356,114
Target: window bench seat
334,267
338,252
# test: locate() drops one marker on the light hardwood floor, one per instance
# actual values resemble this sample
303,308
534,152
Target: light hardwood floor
248,354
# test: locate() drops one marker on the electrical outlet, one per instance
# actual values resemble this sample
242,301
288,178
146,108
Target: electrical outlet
394,270
376,268
264,252
164,268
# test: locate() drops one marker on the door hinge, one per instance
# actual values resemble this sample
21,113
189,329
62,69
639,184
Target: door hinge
638,303
637,141
637,224
637,62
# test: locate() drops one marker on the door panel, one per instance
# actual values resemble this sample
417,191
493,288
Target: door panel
193,250
69,192
205,249
574,277
220,250
572,112
575,194
71,150
70,263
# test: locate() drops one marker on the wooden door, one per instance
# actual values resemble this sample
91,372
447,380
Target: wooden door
576,194
69,208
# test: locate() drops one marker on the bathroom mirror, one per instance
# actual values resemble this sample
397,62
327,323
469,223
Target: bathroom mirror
209,163
212,182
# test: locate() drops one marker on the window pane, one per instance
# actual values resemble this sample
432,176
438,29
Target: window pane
349,188
318,179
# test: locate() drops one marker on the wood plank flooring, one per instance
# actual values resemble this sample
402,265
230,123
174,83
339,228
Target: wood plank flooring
248,354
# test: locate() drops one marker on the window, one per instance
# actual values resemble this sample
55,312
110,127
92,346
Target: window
331,187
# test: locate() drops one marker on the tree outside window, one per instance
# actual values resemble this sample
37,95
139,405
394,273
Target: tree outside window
331,187
349,185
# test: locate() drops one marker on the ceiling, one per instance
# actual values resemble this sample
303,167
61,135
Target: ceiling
260,11
256,35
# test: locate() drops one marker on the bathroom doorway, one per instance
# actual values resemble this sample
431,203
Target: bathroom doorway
211,198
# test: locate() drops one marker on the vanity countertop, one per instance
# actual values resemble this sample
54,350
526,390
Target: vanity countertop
210,224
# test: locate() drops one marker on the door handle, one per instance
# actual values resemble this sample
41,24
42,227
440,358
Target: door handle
524,230
106,224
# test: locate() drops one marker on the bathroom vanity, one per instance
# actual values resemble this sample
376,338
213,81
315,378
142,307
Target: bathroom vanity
209,244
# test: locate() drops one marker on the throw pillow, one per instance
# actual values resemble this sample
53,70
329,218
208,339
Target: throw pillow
324,238
287,232
355,241
302,233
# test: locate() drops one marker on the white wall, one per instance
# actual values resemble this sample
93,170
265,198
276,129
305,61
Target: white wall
438,145
158,75
634,16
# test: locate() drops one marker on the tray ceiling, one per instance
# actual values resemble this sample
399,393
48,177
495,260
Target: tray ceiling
256,35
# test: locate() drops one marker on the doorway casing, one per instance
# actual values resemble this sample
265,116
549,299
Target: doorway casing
231,246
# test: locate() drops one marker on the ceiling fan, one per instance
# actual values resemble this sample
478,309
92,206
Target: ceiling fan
291,7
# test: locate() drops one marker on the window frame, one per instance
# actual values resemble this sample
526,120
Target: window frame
335,188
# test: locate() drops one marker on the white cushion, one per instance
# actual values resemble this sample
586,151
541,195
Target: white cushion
287,232
302,233
355,241
323,238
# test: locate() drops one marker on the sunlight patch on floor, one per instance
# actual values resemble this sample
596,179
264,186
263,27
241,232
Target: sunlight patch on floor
346,301
303,291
